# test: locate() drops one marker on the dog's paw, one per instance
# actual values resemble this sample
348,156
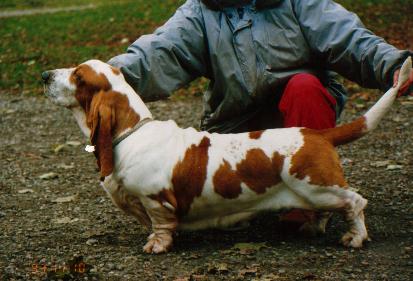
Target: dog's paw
354,240
158,243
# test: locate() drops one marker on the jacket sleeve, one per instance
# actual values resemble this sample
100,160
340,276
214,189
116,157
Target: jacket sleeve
157,64
338,39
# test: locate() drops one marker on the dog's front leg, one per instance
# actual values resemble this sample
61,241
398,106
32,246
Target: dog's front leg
164,223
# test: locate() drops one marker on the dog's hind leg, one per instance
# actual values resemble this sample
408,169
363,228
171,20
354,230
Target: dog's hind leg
337,199
333,197
354,214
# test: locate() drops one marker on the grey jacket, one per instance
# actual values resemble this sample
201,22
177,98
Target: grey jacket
248,52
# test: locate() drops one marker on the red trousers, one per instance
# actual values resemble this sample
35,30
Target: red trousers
306,103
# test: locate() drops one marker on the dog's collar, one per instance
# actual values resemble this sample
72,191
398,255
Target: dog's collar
119,139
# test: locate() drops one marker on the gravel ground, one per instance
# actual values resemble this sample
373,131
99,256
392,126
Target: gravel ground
57,223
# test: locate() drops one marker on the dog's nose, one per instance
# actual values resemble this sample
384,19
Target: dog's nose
45,76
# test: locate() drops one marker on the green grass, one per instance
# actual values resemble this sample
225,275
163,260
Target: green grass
31,44
33,4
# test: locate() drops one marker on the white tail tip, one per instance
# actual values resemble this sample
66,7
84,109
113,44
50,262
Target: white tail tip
405,71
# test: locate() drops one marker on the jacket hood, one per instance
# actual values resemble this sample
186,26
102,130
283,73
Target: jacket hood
259,4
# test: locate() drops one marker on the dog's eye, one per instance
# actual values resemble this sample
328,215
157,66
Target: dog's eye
77,77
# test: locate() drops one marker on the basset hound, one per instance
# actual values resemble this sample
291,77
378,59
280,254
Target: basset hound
171,178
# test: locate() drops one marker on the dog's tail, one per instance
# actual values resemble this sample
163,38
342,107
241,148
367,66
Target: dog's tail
354,130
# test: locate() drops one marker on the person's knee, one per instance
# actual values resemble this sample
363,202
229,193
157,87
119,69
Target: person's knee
307,103
304,85
306,90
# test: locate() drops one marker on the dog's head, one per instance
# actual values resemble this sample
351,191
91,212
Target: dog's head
104,105
73,87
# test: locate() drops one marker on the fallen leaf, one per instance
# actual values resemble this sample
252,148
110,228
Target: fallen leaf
379,164
48,176
408,103
65,199
124,40
74,143
59,148
66,167
10,111
65,220
394,167
27,190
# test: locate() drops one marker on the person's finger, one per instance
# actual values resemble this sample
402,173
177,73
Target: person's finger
405,87
396,78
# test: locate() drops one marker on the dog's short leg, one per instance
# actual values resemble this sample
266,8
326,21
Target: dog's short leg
354,214
164,223
318,225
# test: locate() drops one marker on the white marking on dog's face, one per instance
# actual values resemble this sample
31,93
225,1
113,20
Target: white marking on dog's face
63,85
59,88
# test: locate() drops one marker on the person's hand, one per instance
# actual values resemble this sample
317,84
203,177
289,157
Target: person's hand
403,89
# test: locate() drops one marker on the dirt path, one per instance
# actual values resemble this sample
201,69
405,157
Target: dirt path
39,235
37,11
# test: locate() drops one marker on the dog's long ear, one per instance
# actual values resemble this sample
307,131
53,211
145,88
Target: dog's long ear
100,119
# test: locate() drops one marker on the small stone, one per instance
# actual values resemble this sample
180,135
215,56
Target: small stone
91,241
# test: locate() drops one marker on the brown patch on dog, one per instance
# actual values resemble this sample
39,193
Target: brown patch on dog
165,195
115,70
258,171
226,182
318,160
88,83
189,175
108,115
255,135
346,133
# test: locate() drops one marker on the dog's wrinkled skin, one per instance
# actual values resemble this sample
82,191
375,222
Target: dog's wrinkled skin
172,178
